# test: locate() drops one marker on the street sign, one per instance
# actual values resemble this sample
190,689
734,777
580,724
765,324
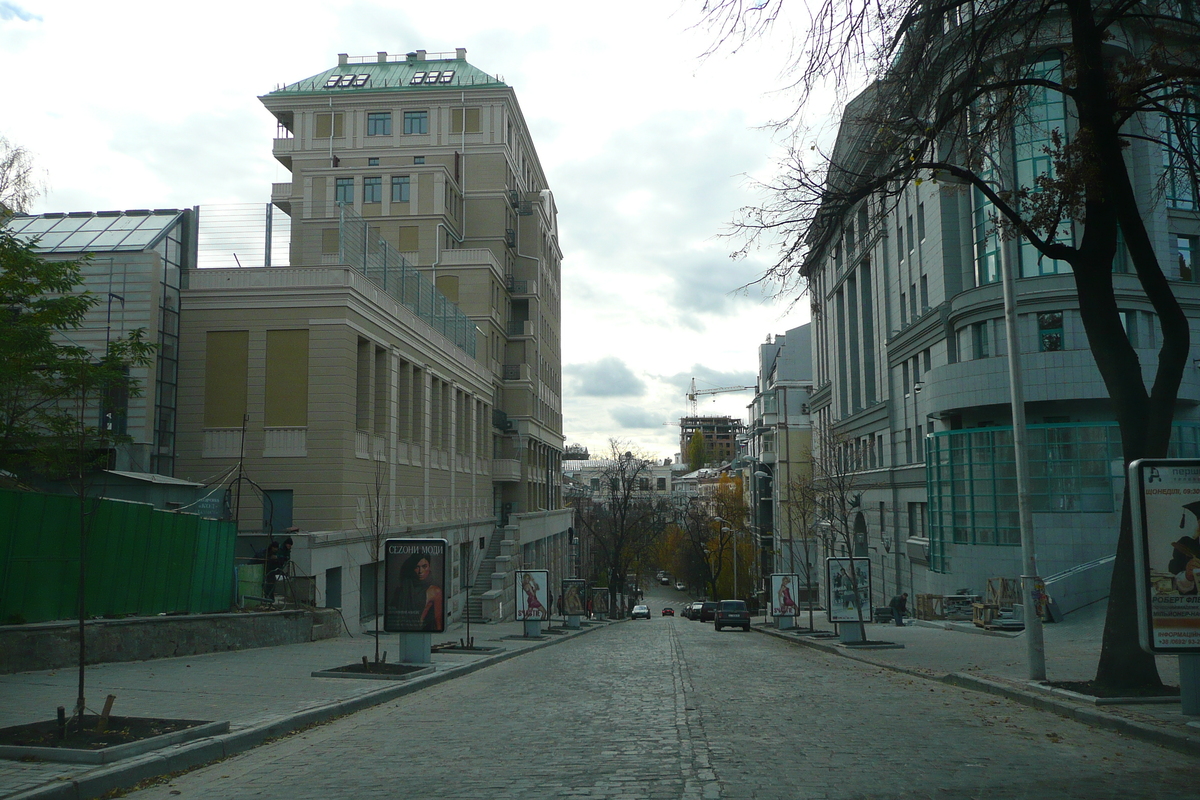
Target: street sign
1165,499
413,579
848,589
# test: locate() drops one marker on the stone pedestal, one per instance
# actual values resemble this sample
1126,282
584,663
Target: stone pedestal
1189,684
573,622
785,623
852,632
533,627
415,648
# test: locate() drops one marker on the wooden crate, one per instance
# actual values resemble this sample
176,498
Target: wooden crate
1003,592
984,613
929,606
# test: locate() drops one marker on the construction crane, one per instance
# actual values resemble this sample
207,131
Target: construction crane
694,393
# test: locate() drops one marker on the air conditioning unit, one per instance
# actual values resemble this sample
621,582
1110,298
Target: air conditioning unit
525,208
514,198
510,237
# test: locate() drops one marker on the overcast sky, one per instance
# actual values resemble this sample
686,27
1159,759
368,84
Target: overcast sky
646,146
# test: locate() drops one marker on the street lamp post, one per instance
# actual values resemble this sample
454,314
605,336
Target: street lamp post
1036,651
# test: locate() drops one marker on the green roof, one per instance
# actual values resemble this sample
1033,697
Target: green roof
369,74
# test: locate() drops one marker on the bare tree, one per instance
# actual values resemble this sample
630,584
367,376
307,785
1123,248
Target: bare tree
377,518
800,504
625,519
20,183
952,84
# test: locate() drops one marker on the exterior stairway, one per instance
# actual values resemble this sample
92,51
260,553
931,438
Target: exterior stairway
483,578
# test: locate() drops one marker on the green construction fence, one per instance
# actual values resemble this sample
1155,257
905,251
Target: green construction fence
140,560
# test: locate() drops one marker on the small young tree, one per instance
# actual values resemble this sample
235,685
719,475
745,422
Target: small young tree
377,522
800,504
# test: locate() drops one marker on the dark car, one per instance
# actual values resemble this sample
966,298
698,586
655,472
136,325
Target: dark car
708,611
732,614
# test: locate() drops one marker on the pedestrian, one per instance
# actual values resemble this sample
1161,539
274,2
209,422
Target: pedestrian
899,606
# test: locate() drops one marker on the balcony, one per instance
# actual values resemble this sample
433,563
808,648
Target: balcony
506,470
281,196
518,372
520,287
283,149
519,327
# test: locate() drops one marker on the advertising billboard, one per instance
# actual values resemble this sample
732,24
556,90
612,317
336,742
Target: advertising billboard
848,589
574,593
414,577
599,600
533,587
783,594
1165,498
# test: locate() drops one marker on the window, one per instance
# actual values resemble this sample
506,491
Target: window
418,159
595,483
921,221
379,123
372,162
643,484
400,188
1187,246
472,120
416,122
924,293
329,124
344,192
899,241
928,356
979,340
660,484
1181,143
373,190
1129,323
904,376
903,308
909,228
1050,331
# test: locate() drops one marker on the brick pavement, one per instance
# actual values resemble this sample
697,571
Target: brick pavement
267,692
671,709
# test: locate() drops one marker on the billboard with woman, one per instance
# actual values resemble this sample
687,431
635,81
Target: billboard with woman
413,579
533,601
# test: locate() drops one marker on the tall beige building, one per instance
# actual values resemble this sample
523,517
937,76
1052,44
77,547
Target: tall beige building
408,358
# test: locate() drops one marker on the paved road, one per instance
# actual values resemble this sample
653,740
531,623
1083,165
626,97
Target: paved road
671,709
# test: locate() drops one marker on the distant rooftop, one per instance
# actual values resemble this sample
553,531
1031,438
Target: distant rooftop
94,232
415,71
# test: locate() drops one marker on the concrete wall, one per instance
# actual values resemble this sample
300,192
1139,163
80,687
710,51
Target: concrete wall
54,645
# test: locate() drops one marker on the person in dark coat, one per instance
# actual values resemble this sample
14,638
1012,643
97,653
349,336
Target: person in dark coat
899,606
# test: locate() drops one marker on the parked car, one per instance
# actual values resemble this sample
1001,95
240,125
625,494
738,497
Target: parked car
668,611
732,614
694,610
640,612
665,580
680,586
708,611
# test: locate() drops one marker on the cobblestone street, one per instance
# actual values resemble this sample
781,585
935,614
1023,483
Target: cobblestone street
671,709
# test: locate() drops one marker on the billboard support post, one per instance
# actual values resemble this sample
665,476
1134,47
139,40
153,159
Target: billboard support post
416,648
1189,684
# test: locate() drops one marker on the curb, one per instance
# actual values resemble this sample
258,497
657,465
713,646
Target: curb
134,770
1086,714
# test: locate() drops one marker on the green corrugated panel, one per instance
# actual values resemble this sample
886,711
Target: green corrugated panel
181,531
214,576
107,573
8,539
158,572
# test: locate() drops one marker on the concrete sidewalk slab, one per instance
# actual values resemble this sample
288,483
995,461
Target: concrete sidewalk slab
262,693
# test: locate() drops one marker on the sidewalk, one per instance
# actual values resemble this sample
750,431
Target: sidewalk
961,654
262,693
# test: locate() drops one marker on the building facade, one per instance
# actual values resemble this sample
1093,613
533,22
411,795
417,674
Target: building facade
911,374
720,436
135,260
402,376
776,457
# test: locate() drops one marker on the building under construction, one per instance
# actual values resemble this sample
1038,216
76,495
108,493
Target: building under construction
720,436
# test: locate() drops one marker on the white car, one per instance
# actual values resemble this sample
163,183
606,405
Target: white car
680,586
640,611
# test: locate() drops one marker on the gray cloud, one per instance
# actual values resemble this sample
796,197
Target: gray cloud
635,417
608,377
